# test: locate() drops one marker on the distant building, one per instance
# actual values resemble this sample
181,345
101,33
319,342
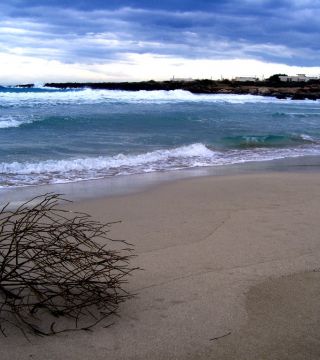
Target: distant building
297,78
245,78
181,79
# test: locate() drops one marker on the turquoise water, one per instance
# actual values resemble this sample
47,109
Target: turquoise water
57,136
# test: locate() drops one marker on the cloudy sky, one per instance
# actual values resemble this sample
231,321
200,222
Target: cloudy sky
119,40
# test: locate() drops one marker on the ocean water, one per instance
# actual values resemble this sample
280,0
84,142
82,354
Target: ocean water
56,136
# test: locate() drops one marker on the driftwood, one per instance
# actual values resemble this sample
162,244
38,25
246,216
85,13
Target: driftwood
56,268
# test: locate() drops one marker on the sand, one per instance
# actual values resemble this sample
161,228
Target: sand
230,272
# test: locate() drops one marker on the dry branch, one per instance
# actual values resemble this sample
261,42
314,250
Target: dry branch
57,265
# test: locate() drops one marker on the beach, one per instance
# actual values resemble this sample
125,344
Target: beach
230,271
159,180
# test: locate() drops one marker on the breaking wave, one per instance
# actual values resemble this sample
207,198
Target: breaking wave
45,96
10,121
261,141
190,156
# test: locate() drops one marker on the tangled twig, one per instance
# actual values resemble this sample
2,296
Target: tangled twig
55,264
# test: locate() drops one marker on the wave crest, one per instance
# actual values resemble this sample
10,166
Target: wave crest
9,121
45,97
54,171
189,156
268,141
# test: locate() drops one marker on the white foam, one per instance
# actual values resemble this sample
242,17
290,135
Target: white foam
89,96
9,121
308,138
105,163
190,156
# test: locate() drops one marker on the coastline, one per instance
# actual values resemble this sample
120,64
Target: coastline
130,184
91,134
281,90
228,272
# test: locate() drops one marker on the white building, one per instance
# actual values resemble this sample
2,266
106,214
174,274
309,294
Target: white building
297,78
181,79
245,78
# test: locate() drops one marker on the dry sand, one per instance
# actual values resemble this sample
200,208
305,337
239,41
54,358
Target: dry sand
230,272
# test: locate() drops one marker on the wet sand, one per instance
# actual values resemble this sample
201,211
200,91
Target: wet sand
230,272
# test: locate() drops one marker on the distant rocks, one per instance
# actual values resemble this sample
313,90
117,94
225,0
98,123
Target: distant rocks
25,86
294,91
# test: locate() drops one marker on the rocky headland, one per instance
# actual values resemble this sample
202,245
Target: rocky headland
294,90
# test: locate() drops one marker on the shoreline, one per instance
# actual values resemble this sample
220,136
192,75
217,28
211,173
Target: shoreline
228,269
130,184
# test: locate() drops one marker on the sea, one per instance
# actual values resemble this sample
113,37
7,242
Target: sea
53,136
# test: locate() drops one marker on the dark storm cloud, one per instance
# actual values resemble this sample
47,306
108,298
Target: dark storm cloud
99,31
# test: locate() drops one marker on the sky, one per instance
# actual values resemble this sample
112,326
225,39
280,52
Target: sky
132,40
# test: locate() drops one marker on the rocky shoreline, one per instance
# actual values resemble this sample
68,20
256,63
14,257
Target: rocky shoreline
295,91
